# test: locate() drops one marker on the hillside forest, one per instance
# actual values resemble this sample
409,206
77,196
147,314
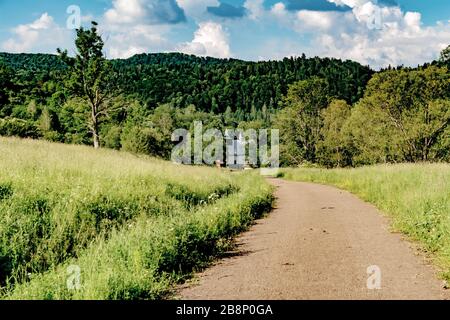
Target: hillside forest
330,112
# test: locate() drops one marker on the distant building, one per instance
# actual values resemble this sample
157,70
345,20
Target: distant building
235,150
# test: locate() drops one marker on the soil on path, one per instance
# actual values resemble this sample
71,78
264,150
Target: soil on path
318,243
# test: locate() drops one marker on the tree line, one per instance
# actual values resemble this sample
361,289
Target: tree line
404,116
330,112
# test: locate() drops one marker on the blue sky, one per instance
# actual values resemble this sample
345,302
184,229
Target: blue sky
375,32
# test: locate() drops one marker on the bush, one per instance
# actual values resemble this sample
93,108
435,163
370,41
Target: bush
53,136
111,137
13,127
142,140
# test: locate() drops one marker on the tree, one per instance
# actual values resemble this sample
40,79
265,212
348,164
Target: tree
300,121
414,103
90,72
445,55
332,146
370,136
74,121
433,124
5,85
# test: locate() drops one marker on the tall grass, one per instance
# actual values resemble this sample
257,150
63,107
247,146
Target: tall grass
415,196
134,225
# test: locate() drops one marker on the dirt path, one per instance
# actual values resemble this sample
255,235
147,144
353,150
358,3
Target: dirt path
318,244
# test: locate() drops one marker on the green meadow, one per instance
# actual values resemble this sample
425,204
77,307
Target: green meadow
130,226
78,223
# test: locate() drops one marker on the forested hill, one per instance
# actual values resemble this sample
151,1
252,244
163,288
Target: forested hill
31,62
208,83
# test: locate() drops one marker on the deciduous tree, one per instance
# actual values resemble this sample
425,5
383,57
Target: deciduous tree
90,72
300,122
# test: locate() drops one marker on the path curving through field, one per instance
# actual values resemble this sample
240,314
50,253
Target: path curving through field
318,244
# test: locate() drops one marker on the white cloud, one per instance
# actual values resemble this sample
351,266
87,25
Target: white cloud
371,34
209,40
135,35
401,38
413,21
197,8
40,35
127,41
140,26
144,11
306,20
278,9
316,20
125,11
280,48
44,22
255,8
122,53
352,3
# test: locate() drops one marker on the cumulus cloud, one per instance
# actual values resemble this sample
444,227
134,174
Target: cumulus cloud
357,3
145,11
376,34
279,10
37,36
311,21
136,39
209,40
197,9
401,39
316,20
138,26
255,8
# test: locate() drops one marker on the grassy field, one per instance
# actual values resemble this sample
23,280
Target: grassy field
415,196
134,226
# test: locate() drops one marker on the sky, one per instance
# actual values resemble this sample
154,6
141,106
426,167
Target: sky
373,32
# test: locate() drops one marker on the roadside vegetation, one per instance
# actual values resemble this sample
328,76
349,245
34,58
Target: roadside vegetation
415,196
133,225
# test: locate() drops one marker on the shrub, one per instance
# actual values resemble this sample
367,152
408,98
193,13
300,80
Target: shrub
13,127
111,137
142,140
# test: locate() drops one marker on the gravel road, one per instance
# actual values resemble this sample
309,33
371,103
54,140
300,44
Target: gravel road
319,243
